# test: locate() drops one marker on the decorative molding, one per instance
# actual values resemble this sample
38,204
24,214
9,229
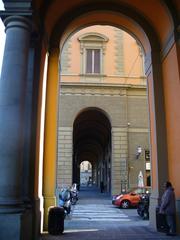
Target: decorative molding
17,8
17,21
66,57
148,63
119,52
92,40
93,36
104,75
138,130
96,90
168,45
103,85
93,78
17,5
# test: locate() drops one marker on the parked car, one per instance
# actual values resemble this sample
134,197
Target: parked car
131,198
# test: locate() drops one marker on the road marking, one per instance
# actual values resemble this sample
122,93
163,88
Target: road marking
100,212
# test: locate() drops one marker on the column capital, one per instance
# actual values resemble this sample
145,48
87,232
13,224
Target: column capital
53,51
16,5
14,9
17,21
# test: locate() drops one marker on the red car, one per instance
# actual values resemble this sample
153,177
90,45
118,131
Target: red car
130,199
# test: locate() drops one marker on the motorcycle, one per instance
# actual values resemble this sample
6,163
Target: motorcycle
143,207
74,193
65,200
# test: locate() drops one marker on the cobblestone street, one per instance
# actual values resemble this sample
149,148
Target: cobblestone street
94,218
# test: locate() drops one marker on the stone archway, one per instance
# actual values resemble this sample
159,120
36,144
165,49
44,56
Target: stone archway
92,141
162,61
149,41
87,176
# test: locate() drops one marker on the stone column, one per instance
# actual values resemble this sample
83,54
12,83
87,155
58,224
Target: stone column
158,140
119,159
64,168
12,98
50,133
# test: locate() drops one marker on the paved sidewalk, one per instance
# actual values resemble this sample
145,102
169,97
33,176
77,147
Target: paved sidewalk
89,229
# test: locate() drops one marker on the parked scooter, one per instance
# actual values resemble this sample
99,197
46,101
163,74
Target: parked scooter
143,207
74,193
65,200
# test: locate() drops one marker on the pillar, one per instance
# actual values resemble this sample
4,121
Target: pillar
158,140
50,135
64,168
119,159
171,80
13,209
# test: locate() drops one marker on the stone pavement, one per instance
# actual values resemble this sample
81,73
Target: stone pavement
95,218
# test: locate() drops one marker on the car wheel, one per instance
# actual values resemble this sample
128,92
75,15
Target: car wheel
125,204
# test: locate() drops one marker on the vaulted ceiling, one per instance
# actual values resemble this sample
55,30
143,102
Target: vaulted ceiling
54,16
160,15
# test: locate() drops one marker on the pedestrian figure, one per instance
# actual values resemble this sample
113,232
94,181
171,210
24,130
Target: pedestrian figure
102,186
140,180
168,207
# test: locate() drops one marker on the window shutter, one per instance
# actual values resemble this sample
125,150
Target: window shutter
89,61
97,61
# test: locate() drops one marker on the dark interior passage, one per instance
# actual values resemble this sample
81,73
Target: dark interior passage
92,143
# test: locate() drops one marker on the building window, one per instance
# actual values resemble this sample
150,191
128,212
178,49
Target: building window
147,155
93,61
92,49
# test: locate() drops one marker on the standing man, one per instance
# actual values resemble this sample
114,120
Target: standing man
102,186
168,207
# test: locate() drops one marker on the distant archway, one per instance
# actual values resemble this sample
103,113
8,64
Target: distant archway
92,141
86,174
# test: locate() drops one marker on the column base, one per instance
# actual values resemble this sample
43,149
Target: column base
37,216
178,215
48,202
154,202
19,222
16,226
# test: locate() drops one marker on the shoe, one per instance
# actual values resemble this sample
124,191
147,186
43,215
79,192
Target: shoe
171,234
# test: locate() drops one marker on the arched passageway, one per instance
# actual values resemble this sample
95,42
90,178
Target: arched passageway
155,25
146,34
92,142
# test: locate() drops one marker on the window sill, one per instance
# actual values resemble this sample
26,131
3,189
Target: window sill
92,75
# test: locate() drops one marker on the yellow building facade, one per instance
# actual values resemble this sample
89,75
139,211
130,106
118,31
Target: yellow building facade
102,72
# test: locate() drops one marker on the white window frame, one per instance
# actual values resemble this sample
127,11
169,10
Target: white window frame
85,61
92,41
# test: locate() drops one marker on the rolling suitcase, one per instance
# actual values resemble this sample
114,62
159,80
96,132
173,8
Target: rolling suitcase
161,223
56,220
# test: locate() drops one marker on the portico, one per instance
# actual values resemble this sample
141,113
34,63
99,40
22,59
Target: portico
34,28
